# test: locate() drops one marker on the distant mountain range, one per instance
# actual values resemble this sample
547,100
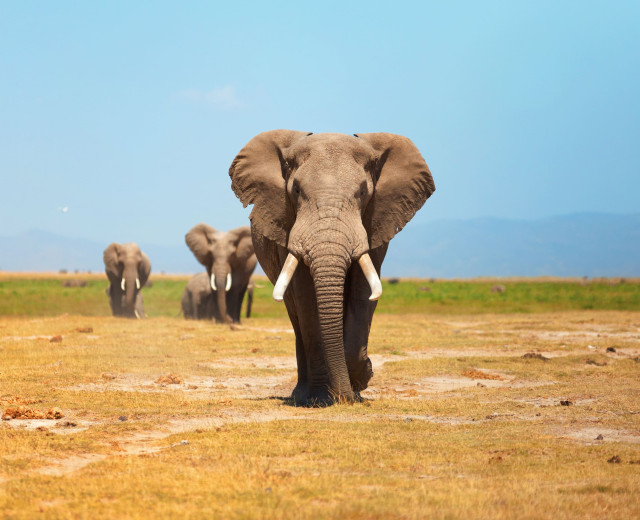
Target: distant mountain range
574,245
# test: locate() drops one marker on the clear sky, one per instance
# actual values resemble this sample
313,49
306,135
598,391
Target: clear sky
130,113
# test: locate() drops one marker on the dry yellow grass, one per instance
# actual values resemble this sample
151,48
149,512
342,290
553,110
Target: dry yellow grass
219,440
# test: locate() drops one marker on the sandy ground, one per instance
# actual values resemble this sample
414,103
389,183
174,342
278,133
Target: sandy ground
280,377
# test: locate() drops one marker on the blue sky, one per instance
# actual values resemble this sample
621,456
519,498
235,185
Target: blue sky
130,113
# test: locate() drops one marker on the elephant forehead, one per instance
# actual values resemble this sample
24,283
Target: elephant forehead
129,250
221,243
332,148
220,236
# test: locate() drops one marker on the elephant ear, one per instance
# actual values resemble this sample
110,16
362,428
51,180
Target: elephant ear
403,184
199,240
144,269
257,178
241,237
110,257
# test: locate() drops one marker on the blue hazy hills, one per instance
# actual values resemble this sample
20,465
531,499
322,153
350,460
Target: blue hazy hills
589,244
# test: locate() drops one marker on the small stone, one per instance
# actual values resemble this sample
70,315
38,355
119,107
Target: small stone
55,339
408,419
611,349
599,437
85,330
566,402
535,355
122,418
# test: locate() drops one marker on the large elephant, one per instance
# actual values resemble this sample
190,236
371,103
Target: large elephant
128,270
333,202
230,261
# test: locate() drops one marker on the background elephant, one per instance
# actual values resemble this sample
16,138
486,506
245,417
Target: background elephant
230,261
128,270
333,202
198,300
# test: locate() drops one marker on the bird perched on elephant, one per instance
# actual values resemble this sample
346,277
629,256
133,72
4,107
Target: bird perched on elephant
198,299
128,270
325,207
230,262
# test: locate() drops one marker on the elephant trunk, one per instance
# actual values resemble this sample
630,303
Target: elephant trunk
129,280
328,263
220,281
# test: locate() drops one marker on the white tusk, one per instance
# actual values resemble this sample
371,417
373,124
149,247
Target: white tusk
228,286
122,284
372,276
135,311
213,282
138,283
286,274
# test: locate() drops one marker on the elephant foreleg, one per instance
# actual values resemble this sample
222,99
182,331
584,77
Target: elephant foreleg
249,299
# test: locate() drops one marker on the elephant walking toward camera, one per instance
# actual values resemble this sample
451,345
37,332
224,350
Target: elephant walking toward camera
128,270
325,207
230,262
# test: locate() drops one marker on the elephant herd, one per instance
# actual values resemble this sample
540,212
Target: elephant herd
217,293
325,207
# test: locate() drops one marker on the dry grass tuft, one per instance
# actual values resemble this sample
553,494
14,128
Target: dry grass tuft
170,379
472,373
22,412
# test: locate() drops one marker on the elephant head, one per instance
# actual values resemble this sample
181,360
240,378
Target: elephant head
227,256
128,270
330,199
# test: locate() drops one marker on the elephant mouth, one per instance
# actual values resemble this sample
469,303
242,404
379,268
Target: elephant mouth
123,284
291,263
227,283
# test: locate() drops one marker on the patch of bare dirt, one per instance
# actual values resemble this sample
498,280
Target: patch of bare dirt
196,387
64,427
590,434
281,363
148,442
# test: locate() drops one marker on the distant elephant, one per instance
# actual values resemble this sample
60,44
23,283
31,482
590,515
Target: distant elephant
230,261
198,300
333,202
128,270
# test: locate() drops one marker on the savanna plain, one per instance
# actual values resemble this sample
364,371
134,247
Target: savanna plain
490,399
